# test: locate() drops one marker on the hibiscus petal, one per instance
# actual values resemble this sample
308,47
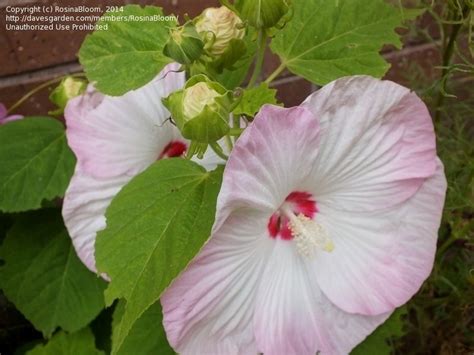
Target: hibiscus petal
377,144
84,206
262,169
122,135
293,316
381,258
209,308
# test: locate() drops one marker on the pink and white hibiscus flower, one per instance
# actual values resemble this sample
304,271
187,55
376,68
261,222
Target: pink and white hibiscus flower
114,139
327,221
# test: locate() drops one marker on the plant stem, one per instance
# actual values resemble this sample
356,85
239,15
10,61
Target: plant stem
262,42
277,72
37,89
235,124
228,142
235,132
447,56
218,150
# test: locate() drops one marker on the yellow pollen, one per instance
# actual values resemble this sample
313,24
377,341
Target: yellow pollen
309,235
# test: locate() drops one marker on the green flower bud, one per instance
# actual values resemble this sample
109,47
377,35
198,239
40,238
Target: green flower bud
218,26
184,44
262,13
201,110
68,88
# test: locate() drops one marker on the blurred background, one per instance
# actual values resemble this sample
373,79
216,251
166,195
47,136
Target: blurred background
436,61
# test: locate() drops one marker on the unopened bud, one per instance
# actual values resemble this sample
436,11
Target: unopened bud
262,13
184,44
218,26
201,110
67,89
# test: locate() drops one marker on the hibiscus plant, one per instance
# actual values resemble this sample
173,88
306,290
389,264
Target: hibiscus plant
204,215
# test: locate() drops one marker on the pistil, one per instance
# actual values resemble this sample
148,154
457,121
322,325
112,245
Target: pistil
308,235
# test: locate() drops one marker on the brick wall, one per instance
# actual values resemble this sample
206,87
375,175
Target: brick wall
30,58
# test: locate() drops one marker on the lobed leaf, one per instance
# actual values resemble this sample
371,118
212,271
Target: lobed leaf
254,98
155,226
129,53
80,343
44,278
37,163
326,40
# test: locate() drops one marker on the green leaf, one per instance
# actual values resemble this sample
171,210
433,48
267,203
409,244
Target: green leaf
147,335
80,343
326,40
128,54
379,342
44,278
254,98
155,226
411,14
6,222
37,163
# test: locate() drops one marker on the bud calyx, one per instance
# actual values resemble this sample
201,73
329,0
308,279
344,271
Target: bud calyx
184,44
201,110
67,89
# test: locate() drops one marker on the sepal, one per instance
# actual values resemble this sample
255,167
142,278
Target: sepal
67,89
184,44
260,14
201,110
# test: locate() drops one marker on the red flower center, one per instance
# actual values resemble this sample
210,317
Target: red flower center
299,203
173,149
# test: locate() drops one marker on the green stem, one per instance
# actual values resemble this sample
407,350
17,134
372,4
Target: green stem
277,72
35,90
235,132
236,121
235,124
218,150
262,42
447,57
228,142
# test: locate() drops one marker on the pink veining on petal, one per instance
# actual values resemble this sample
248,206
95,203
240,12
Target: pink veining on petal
111,136
378,145
262,154
381,260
